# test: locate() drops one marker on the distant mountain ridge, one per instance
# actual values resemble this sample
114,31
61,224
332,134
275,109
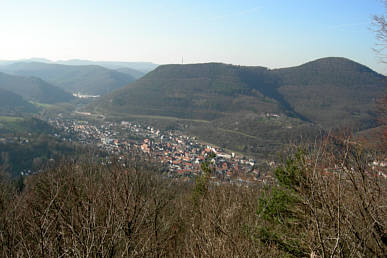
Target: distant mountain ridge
86,79
143,67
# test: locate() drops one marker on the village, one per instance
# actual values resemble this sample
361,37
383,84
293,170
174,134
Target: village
180,154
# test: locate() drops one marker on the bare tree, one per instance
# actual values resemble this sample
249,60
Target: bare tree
380,24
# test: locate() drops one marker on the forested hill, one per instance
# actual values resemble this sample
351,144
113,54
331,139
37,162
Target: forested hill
328,91
200,91
331,70
333,91
35,89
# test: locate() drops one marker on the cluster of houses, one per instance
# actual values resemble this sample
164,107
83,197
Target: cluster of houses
179,153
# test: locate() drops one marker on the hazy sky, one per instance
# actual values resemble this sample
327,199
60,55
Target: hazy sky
272,33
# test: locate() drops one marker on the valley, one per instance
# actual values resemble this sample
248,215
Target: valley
253,112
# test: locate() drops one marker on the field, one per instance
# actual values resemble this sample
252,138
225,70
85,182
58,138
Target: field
9,119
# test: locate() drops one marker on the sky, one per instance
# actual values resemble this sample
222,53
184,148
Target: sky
271,33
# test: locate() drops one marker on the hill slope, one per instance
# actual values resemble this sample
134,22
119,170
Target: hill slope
13,104
87,79
34,89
